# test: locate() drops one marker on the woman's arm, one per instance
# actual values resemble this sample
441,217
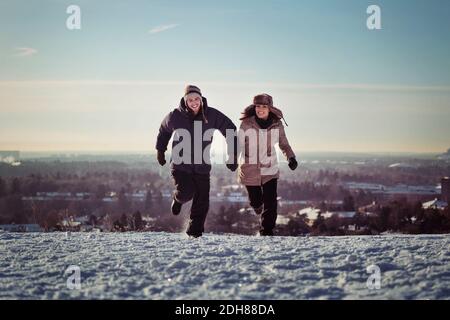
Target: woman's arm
284,144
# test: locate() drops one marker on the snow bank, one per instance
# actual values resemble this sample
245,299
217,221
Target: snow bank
171,266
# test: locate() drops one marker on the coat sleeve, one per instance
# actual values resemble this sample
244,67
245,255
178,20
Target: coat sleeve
223,123
284,144
165,133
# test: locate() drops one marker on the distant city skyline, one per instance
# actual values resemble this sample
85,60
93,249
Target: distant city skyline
342,87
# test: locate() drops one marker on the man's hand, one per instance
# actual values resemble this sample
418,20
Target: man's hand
232,166
292,163
161,158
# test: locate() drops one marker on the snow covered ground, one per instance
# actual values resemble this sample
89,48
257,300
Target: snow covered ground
171,266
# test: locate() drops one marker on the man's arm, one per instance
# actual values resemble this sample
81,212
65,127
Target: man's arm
223,123
165,133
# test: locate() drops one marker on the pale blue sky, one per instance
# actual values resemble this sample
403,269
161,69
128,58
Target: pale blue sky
342,87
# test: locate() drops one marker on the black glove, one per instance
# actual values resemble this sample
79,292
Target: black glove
161,158
232,166
292,163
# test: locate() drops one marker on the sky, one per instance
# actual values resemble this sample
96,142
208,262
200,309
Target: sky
341,86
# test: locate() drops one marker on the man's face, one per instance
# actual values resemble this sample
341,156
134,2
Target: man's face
194,102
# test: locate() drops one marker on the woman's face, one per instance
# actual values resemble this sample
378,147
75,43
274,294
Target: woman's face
262,111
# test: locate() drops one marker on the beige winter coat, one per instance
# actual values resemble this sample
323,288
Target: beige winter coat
257,167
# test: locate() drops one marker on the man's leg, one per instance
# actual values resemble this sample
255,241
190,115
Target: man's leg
269,215
200,205
255,197
184,186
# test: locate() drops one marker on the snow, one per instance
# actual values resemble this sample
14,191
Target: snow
437,204
172,266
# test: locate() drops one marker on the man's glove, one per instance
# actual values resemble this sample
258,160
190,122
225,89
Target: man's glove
232,166
292,163
161,158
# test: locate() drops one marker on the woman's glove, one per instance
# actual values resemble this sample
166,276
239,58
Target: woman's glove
292,163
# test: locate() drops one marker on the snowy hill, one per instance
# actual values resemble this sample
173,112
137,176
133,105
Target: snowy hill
171,266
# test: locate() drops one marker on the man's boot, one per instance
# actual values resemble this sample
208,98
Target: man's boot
266,232
259,210
176,207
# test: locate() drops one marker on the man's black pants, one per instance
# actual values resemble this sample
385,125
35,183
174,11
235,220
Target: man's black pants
192,186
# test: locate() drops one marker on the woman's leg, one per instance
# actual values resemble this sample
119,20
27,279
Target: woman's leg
255,197
269,215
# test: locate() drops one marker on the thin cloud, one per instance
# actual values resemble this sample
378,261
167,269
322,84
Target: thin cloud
24,52
162,28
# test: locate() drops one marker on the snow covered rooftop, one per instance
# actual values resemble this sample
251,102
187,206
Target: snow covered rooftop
435,204
311,213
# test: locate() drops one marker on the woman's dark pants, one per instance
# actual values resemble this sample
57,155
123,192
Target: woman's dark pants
265,195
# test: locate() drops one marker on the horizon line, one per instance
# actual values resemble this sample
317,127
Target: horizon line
299,152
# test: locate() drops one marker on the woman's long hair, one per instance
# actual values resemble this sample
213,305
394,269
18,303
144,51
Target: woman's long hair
274,113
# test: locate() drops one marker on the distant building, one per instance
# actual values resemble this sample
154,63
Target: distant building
312,214
417,193
340,214
402,165
372,187
369,209
435,204
445,189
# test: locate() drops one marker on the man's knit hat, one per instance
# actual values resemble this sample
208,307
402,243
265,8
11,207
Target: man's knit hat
192,89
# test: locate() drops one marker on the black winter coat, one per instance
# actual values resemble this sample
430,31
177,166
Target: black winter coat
209,118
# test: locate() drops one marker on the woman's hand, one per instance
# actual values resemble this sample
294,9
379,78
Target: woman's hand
292,163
